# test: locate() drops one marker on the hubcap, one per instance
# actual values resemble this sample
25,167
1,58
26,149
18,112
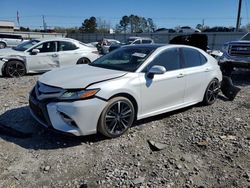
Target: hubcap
119,117
213,91
16,69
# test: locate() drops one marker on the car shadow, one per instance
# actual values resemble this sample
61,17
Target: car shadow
17,126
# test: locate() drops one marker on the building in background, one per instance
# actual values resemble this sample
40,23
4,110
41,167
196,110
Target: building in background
7,26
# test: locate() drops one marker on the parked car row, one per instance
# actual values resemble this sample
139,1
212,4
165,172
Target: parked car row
10,40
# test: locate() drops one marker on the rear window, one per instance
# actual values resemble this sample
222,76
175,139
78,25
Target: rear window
6,36
192,57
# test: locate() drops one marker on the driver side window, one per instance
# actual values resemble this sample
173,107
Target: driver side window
47,47
170,59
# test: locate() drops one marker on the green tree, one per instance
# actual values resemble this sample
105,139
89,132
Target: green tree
89,25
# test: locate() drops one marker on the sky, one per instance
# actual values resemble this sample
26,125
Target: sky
165,13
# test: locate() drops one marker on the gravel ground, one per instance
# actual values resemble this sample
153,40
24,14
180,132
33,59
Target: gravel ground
200,146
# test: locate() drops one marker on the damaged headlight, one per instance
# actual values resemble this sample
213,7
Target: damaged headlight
80,94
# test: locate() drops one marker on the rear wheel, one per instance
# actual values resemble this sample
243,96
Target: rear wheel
116,117
83,60
2,45
212,92
15,69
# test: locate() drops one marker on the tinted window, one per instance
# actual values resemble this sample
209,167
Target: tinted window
203,59
47,47
192,57
66,46
146,41
125,58
10,36
170,59
137,42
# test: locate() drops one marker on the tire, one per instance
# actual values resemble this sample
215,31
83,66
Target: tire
83,60
211,93
2,45
15,68
117,117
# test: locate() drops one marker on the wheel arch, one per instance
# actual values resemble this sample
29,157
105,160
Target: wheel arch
4,43
131,98
13,59
77,62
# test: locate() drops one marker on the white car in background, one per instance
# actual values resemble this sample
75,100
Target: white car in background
36,56
128,84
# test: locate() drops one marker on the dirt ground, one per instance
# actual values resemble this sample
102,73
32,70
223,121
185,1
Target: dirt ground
201,146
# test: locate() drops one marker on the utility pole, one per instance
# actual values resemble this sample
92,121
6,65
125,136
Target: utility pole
238,16
44,24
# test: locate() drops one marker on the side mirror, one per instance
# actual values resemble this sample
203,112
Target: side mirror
35,51
156,69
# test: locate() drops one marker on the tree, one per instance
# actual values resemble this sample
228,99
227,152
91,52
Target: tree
89,25
136,24
124,23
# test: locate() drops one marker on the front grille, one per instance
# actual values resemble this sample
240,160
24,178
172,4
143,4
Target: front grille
38,112
240,50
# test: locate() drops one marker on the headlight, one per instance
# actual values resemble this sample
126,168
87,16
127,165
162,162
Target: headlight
76,95
225,47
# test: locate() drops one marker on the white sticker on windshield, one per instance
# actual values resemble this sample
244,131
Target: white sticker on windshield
141,55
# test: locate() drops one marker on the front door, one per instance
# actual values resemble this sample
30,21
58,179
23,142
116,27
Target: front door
46,59
165,91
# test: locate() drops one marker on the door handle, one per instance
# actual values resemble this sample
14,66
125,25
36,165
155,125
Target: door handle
207,70
54,55
180,75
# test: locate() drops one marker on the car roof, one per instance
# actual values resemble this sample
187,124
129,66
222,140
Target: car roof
58,39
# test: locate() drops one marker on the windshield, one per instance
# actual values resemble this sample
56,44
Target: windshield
246,37
25,45
125,58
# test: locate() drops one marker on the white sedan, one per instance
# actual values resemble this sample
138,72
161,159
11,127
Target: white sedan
36,56
128,84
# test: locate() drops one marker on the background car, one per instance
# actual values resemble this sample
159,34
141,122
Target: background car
187,29
132,41
128,84
236,54
36,56
104,45
10,40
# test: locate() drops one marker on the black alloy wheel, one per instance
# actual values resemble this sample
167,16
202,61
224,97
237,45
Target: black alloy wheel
116,117
212,92
83,60
15,69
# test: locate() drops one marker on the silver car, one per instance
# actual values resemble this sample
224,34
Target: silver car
10,40
128,84
36,56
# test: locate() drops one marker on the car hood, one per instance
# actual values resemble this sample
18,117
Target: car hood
78,76
7,52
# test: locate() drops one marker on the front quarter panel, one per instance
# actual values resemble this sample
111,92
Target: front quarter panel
128,84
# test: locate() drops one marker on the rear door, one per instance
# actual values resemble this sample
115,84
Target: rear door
197,73
68,53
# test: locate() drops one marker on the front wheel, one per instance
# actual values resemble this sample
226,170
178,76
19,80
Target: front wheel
212,92
116,117
15,69
83,60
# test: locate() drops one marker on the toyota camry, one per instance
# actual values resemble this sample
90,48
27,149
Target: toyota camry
128,84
